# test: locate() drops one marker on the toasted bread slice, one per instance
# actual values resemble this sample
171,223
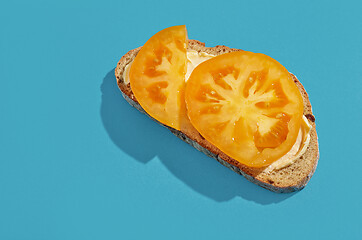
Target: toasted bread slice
288,179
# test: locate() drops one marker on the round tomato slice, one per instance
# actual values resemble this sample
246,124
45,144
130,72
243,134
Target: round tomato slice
247,105
157,76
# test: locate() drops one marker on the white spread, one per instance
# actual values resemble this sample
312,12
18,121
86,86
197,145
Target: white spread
298,149
194,58
126,72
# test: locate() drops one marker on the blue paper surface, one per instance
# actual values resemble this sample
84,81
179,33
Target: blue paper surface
77,162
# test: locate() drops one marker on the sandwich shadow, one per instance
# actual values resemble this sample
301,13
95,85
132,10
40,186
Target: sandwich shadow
144,139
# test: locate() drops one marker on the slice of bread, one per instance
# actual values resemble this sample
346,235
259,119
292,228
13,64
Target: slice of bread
288,179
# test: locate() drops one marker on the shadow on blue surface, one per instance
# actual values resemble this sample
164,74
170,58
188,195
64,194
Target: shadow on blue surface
143,139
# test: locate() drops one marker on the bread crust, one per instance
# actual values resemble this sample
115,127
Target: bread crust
289,179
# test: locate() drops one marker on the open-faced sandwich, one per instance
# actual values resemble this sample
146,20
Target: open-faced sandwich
241,108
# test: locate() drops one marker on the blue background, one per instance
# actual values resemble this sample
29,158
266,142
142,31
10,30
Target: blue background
77,162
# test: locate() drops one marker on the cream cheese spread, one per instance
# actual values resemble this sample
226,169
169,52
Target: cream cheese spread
298,149
194,58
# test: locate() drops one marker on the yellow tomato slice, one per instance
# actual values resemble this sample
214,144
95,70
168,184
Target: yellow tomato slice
157,76
247,105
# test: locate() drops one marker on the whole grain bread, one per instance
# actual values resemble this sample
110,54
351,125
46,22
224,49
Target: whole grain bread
288,179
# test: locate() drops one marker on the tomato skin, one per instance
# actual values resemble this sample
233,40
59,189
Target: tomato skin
157,76
247,105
